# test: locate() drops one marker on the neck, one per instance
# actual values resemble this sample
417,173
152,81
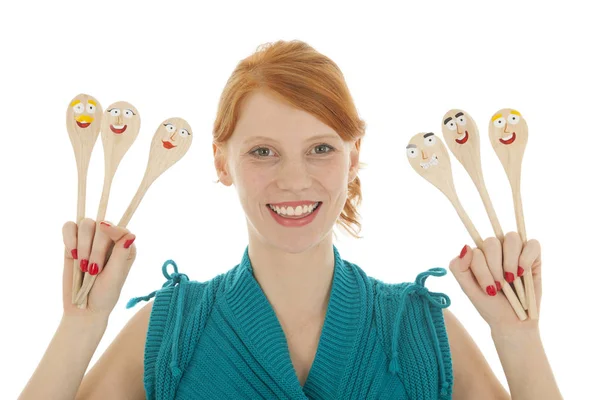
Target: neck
297,285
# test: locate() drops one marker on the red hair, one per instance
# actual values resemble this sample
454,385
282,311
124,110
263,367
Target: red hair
307,80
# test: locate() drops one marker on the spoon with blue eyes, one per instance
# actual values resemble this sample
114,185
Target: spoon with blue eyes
120,127
84,116
428,156
508,133
170,143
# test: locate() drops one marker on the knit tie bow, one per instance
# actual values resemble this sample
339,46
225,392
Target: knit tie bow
440,300
172,280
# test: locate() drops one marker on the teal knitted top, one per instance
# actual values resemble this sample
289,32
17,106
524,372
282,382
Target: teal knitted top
221,339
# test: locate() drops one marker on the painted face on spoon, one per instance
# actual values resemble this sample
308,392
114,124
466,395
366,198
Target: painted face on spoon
459,130
508,128
121,117
84,114
426,152
175,134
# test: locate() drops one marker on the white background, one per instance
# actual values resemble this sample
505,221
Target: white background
405,64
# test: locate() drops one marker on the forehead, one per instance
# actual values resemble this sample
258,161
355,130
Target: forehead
418,139
266,114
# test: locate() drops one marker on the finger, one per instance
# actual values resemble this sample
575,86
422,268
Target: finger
460,268
122,256
531,259
69,233
85,238
112,231
482,273
511,252
99,254
492,250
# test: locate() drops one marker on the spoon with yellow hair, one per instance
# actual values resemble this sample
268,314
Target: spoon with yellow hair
170,143
428,156
508,134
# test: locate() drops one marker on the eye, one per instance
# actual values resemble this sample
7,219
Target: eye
462,121
430,140
451,125
324,146
170,127
500,122
259,155
128,113
513,119
78,108
183,132
90,108
411,152
115,112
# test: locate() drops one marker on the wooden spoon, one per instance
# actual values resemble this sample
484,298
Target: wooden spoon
170,143
462,138
508,134
84,116
429,158
120,127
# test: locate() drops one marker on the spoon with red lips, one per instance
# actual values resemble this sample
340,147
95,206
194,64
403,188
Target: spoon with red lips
170,143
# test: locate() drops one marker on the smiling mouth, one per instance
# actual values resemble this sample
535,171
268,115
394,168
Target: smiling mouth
464,138
508,139
432,161
83,124
167,144
118,129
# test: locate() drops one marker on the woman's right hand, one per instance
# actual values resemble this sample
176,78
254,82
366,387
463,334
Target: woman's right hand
92,241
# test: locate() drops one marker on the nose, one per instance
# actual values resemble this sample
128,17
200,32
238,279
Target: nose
424,155
172,137
293,176
120,120
505,128
458,129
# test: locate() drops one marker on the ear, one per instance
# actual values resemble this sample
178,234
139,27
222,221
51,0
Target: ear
220,161
354,156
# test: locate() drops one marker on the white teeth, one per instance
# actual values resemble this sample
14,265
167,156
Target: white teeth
299,210
462,137
507,137
118,126
432,161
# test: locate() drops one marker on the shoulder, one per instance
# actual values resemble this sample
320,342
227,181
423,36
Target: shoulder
410,323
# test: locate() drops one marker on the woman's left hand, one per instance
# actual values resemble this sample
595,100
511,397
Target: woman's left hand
480,271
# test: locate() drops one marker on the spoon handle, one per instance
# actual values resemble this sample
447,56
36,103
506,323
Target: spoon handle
489,208
82,169
135,202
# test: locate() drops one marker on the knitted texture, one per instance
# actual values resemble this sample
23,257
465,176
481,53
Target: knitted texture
221,339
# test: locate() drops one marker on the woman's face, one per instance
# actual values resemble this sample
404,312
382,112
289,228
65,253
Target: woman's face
283,157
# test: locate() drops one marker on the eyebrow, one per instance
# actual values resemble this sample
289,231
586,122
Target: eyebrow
266,138
411,145
92,102
447,119
74,102
427,134
459,114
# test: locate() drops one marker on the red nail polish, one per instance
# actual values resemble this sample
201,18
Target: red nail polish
498,286
83,264
74,253
510,277
104,223
491,290
93,269
463,251
520,271
128,243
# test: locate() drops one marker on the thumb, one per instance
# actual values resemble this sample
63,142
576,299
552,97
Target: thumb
116,233
461,269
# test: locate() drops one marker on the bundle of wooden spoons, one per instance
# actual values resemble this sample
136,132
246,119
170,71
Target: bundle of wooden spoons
428,156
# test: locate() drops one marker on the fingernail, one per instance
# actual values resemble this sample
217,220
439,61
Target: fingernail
93,269
498,286
104,223
510,277
74,253
83,264
520,271
128,243
491,290
463,251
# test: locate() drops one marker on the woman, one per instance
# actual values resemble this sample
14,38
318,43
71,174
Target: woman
293,319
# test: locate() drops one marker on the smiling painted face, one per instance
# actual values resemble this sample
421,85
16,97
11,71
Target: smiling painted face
428,156
460,130
175,133
84,116
170,142
508,128
121,118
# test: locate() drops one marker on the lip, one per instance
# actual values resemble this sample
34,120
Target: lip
463,140
167,144
509,141
288,222
118,131
83,124
294,204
